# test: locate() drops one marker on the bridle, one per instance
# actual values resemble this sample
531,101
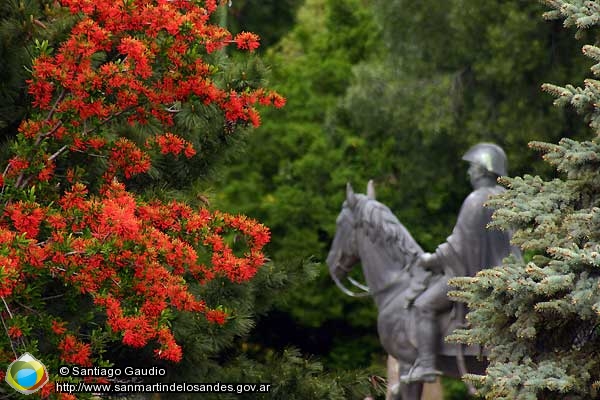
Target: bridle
366,291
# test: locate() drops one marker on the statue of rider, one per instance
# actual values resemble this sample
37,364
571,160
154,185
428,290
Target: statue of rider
470,248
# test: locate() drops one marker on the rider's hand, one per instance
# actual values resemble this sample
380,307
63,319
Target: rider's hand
428,261
424,260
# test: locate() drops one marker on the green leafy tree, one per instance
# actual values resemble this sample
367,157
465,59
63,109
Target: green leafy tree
395,91
540,318
291,176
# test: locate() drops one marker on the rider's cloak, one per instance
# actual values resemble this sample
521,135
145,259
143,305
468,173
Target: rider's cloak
471,246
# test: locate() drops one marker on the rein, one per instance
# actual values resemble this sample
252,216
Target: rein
367,290
347,291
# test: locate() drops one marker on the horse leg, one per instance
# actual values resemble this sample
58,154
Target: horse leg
408,391
393,366
411,391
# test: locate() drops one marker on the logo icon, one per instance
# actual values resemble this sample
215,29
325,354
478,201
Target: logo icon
26,374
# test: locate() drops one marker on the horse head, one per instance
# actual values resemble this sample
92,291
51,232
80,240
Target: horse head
368,232
344,254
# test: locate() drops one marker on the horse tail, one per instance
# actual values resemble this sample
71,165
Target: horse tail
460,355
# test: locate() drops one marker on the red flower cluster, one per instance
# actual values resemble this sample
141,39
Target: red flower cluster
9,275
173,144
128,158
75,352
247,40
238,269
132,257
15,332
142,81
17,164
58,327
152,250
216,316
130,82
169,350
25,217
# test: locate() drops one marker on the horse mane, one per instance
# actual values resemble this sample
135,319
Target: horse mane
383,228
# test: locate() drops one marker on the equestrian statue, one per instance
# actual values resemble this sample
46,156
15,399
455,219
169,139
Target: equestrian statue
410,286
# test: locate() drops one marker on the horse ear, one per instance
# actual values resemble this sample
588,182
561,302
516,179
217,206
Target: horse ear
371,190
350,197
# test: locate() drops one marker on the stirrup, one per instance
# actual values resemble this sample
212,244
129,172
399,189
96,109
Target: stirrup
407,378
416,375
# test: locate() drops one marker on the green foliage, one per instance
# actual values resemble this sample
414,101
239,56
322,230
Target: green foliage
292,175
293,377
270,21
474,67
540,318
454,389
395,91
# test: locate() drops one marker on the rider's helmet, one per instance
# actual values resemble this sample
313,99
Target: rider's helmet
490,156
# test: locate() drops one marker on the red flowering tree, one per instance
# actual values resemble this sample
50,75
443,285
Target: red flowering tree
70,234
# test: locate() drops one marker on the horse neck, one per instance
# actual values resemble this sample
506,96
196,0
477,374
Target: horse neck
381,271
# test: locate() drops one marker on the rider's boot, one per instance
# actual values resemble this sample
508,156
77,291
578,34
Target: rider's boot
423,369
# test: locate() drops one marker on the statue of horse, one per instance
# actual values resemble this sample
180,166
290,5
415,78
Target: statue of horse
369,233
